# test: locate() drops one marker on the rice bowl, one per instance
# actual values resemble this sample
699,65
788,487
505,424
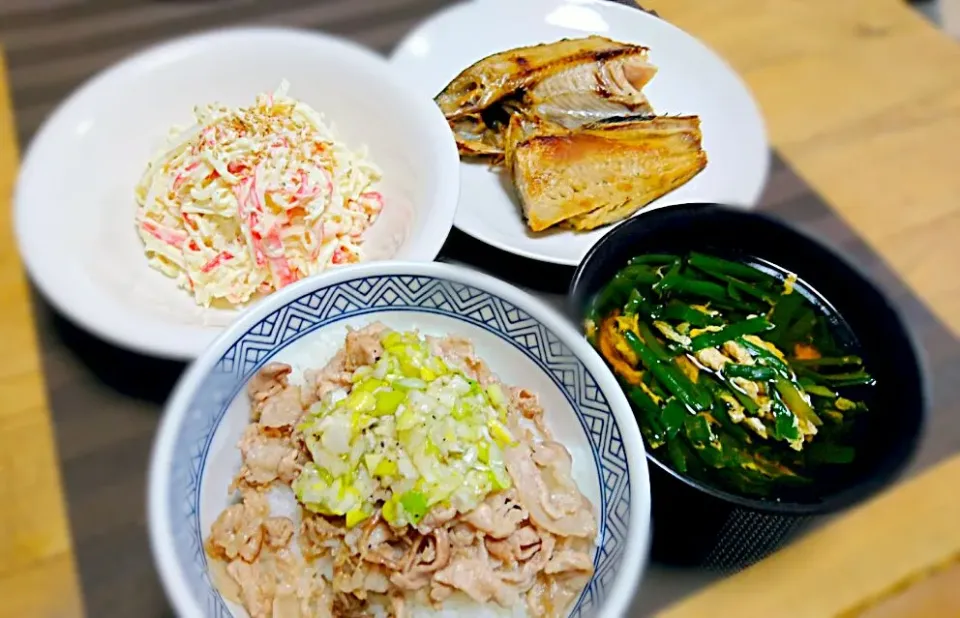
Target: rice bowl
195,458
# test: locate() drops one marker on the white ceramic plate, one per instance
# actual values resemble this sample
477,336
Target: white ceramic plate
520,338
74,204
691,80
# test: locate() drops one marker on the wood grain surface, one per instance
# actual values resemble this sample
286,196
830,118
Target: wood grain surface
36,562
861,97
851,568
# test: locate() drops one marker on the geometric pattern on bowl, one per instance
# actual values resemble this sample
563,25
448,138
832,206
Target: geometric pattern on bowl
369,295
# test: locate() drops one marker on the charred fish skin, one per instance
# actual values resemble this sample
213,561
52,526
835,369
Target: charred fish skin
500,75
607,84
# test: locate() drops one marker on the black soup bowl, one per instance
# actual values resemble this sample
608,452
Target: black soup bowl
698,522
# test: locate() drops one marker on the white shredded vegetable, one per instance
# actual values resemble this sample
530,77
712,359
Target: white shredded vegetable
409,434
250,200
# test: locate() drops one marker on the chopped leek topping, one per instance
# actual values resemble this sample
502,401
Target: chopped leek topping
411,432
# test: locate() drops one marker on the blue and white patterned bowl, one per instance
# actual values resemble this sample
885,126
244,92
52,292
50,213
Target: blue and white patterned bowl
522,340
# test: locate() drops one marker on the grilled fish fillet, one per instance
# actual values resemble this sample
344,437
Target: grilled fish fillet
599,174
591,83
589,90
498,76
609,84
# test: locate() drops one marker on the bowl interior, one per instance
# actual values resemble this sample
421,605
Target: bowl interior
889,431
101,140
194,465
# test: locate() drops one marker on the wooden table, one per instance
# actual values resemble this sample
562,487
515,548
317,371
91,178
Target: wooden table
36,561
862,97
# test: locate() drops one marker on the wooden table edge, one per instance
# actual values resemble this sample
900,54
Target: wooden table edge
878,551
37,565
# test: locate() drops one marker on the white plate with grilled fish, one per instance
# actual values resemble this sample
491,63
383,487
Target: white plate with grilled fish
573,115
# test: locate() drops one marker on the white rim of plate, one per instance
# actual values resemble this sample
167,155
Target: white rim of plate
635,13
41,266
158,482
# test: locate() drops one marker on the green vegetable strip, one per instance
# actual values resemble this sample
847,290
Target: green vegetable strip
746,288
732,449
735,431
827,361
757,373
750,326
767,357
720,265
669,375
592,317
677,456
643,401
818,391
794,400
639,275
681,284
651,382
710,452
651,340
618,290
633,303
721,413
674,415
782,314
675,267
650,412
858,380
608,296
657,259
680,312
748,404
735,286
698,430
784,422
854,378
637,303
788,388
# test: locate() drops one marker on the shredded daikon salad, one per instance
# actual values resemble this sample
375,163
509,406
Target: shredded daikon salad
411,433
250,200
